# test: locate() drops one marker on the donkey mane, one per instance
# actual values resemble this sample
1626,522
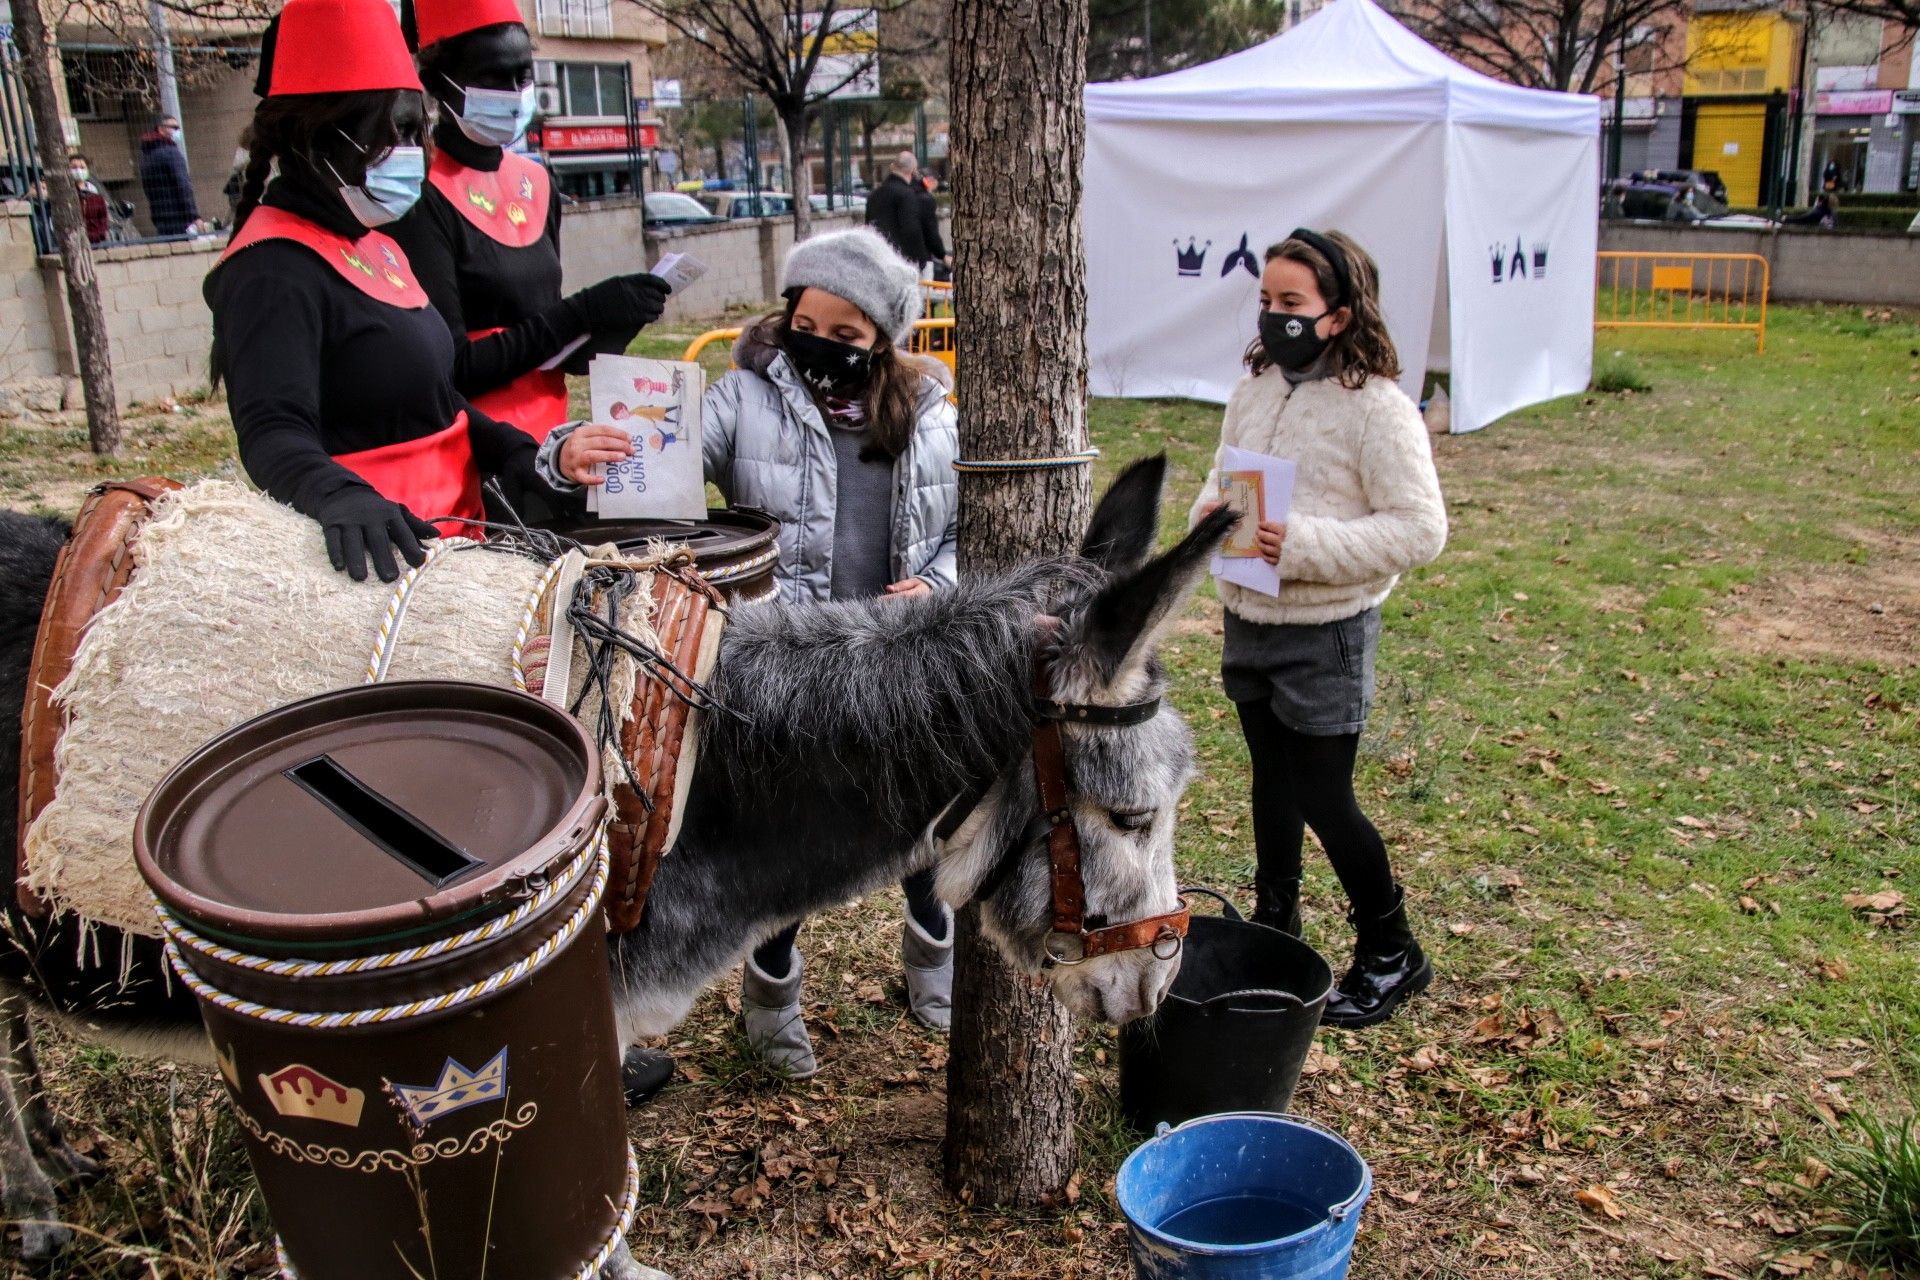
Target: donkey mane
913,699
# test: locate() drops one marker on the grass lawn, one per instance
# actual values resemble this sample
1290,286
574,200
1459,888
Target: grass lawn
1647,751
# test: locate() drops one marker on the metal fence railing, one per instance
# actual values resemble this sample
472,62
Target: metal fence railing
1684,291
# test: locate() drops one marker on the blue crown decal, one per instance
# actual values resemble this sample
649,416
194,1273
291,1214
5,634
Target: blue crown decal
1190,260
457,1088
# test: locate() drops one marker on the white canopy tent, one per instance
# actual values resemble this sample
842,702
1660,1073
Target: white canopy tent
1478,199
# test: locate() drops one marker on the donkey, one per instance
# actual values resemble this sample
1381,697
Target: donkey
851,730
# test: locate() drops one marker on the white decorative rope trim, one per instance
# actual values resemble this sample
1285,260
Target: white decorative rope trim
527,615
528,964
382,655
186,937
629,1205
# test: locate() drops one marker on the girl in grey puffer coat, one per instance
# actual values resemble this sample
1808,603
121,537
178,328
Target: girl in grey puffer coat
771,443
830,427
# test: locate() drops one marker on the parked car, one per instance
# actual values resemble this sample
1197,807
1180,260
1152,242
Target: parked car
841,204
671,209
744,204
1705,181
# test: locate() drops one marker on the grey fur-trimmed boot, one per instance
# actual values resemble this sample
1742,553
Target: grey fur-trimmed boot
928,965
775,1024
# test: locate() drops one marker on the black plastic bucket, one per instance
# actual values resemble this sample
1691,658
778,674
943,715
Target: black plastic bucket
1234,1032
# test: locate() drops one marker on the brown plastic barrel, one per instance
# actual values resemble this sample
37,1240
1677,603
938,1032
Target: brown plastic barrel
387,901
734,548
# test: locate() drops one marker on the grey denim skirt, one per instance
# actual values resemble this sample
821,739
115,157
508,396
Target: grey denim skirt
1317,677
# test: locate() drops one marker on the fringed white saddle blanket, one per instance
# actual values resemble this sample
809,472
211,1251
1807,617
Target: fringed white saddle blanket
232,610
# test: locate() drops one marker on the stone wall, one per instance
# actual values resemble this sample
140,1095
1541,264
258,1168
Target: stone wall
1870,268
30,368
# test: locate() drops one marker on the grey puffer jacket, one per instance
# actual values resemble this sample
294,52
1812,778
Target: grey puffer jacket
767,446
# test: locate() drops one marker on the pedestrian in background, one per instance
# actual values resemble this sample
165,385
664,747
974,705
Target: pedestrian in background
896,211
164,177
939,264
93,205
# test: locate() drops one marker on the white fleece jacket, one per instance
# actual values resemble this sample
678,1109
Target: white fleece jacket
1366,500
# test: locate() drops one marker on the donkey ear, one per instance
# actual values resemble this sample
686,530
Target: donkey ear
1125,620
1122,530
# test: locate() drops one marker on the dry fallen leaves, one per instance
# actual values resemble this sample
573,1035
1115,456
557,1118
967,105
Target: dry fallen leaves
1599,1200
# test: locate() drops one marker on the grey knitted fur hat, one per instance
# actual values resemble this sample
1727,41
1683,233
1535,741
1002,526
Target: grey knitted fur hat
860,266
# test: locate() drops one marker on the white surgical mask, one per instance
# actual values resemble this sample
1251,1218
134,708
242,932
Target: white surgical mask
79,173
392,187
496,117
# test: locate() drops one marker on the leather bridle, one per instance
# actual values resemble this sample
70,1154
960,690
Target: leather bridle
1070,940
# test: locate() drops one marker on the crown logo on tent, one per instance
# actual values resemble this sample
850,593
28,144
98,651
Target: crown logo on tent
458,1088
1191,260
1539,260
298,1090
1241,257
1517,267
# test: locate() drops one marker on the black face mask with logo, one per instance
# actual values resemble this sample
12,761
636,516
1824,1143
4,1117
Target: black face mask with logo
1290,340
829,367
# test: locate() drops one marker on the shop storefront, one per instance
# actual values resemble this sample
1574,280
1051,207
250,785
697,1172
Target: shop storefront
1848,149
592,161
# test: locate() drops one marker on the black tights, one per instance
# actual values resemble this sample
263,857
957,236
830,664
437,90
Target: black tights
924,904
1303,780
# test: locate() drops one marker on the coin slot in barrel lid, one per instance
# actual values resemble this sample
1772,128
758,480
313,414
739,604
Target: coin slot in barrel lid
401,836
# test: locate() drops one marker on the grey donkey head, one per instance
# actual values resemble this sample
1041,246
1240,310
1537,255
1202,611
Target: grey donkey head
1125,782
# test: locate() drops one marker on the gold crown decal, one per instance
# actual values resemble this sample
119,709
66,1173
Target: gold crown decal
516,215
480,200
300,1091
229,1061
459,1087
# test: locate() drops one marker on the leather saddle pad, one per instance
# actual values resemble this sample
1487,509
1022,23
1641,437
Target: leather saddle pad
88,576
659,741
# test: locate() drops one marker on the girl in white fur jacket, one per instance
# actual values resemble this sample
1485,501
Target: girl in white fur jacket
1366,508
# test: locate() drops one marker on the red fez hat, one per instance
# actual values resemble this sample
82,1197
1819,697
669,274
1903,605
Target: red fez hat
438,20
339,46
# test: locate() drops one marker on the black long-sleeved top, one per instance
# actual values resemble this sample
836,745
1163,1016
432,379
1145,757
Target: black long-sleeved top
894,211
930,224
476,283
314,367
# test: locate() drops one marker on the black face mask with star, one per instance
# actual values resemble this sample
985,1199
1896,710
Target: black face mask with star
829,367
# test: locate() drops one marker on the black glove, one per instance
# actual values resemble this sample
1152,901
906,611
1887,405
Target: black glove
624,302
359,524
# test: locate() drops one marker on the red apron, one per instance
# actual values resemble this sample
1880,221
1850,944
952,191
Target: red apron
508,206
435,475
535,402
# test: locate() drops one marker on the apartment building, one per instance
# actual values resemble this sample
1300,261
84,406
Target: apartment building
593,64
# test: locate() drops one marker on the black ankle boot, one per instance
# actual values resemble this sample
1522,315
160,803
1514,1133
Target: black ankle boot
643,1073
1388,968
1276,904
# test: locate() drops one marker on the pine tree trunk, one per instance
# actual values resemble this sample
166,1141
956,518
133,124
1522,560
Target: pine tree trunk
1019,136
70,229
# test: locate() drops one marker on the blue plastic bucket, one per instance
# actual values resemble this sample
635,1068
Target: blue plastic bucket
1249,1195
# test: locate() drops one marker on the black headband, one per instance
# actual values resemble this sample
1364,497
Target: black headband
1335,259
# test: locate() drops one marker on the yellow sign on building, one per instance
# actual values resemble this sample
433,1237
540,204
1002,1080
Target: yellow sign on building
1742,52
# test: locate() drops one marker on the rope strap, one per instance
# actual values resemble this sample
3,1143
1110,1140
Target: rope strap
1079,459
590,1270
528,964
559,888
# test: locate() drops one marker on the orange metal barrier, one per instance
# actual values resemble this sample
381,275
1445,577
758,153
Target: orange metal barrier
937,299
932,338
1683,291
